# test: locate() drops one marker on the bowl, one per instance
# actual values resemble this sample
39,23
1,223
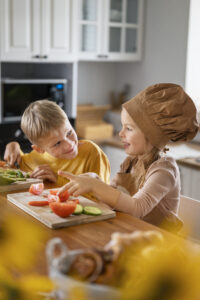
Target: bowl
60,264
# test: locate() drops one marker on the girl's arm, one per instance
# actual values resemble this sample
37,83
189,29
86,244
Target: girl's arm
160,181
79,185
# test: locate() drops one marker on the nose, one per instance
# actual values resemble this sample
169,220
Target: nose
67,143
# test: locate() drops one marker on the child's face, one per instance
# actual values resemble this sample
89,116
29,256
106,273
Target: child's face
60,143
132,137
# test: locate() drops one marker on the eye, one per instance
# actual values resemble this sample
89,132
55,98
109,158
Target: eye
69,132
129,128
57,144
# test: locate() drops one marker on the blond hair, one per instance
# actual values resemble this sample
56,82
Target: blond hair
40,118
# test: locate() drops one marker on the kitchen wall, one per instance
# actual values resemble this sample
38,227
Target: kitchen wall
164,55
193,57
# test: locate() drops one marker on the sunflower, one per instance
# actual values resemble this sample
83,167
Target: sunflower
19,242
167,272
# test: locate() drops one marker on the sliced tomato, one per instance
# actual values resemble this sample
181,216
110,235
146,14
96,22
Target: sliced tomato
64,196
53,198
53,192
63,209
39,203
74,200
2,163
36,188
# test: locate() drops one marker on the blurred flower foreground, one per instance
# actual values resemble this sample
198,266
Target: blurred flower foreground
162,269
20,242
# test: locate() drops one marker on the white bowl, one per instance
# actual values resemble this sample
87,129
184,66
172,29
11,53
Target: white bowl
64,283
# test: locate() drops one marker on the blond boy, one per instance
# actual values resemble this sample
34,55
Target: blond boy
55,146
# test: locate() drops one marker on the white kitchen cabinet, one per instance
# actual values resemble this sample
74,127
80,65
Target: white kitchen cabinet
190,182
108,30
186,180
35,30
115,156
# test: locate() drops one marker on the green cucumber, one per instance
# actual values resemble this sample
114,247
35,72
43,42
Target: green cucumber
78,210
92,210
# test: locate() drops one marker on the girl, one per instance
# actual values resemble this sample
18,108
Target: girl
148,184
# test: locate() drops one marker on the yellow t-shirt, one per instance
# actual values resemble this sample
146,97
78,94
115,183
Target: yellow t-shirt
90,158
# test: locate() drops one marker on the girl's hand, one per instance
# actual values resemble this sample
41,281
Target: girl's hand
77,185
44,172
12,154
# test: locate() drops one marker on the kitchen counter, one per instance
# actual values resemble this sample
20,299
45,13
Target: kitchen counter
180,151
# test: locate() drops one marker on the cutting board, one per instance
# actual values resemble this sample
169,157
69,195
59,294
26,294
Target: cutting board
19,185
44,214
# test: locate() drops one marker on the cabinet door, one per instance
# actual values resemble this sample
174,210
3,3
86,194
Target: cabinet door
195,184
20,29
55,27
88,28
115,156
123,29
186,175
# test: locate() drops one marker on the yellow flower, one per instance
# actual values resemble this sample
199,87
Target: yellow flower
19,242
167,272
8,286
78,293
24,288
31,287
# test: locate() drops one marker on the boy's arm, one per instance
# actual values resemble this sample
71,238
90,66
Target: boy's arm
12,153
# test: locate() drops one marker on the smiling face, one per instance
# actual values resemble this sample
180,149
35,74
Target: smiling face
133,139
60,143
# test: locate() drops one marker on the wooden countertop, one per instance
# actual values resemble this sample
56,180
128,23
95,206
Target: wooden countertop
95,234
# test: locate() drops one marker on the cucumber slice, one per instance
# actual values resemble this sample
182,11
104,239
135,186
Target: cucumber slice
78,210
92,210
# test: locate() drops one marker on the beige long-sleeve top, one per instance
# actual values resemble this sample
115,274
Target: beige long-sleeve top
158,199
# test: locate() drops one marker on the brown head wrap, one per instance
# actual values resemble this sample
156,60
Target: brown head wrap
164,112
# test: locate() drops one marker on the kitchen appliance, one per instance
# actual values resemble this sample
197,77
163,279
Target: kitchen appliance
16,95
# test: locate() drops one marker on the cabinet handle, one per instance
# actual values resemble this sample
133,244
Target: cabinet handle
102,56
45,56
36,56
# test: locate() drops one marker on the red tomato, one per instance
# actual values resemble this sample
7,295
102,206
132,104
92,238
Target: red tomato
39,203
36,189
63,209
53,192
53,198
2,163
75,200
64,196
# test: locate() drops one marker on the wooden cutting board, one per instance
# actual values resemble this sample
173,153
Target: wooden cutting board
19,185
44,214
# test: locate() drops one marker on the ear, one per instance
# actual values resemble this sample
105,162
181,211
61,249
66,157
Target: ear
37,148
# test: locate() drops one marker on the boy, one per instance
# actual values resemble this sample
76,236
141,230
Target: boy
55,146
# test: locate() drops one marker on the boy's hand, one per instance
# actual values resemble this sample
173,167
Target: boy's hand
12,154
44,172
78,184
